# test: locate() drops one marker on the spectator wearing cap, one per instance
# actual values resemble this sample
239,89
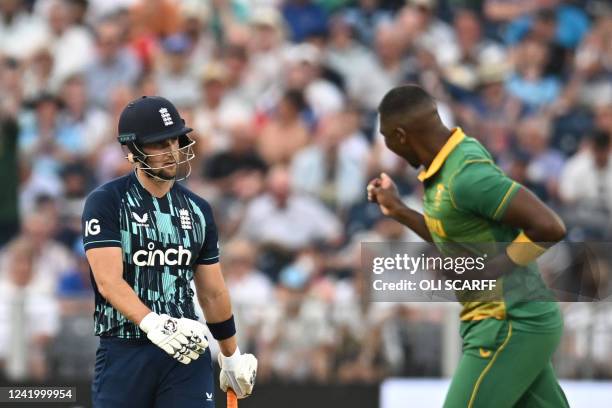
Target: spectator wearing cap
491,112
113,66
209,112
267,46
175,76
297,336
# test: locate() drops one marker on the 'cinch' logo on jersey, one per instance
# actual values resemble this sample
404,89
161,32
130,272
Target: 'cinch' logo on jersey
158,257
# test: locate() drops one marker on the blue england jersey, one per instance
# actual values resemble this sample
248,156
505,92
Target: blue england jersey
162,239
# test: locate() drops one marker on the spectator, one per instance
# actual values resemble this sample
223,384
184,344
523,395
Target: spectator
585,187
296,336
545,163
529,83
71,45
21,33
305,73
250,289
292,221
267,47
285,133
475,51
492,112
351,60
50,259
87,124
195,24
113,66
28,317
175,77
367,17
334,168
419,23
571,22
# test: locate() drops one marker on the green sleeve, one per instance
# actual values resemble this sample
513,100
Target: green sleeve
481,187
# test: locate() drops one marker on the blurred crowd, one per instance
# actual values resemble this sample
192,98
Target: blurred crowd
282,96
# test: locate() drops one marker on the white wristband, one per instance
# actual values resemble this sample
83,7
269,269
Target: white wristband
230,363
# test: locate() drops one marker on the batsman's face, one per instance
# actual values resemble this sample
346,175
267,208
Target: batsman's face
164,154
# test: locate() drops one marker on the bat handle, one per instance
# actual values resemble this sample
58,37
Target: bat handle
232,400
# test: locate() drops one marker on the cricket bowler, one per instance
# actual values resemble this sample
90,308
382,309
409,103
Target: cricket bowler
147,238
507,344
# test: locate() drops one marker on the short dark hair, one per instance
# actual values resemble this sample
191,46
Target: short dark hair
600,139
295,97
405,99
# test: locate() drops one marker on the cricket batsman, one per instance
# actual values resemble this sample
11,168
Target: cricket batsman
507,344
147,238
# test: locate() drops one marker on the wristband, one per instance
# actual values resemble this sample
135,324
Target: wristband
222,330
522,251
230,363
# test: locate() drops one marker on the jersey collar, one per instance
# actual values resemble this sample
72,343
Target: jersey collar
455,138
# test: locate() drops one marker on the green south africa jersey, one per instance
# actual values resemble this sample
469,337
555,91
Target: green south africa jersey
466,196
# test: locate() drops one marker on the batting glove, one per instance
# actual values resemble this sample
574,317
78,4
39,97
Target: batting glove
195,333
238,372
173,336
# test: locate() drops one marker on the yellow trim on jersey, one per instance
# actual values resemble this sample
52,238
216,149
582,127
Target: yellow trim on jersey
489,365
522,251
455,138
503,201
483,310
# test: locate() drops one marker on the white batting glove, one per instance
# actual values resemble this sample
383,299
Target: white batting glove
238,372
173,336
195,333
